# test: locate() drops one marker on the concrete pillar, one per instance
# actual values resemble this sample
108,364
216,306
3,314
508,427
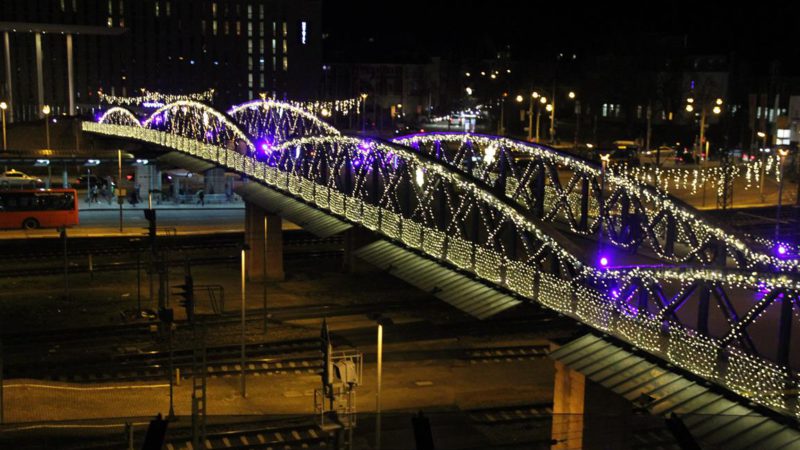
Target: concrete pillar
39,74
568,407
355,238
588,416
9,84
70,77
254,231
214,181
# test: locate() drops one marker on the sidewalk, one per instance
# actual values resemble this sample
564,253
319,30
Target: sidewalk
104,205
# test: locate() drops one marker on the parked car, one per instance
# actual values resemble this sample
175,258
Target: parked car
663,154
16,179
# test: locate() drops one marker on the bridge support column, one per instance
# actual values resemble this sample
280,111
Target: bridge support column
214,181
355,238
586,415
255,221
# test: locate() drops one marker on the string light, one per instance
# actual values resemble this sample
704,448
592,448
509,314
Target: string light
155,97
453,194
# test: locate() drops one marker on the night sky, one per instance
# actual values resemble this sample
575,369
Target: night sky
758,31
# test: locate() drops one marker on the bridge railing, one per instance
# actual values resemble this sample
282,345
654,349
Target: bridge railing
627,212
584,297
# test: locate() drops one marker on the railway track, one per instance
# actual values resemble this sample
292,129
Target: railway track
288,357
293,436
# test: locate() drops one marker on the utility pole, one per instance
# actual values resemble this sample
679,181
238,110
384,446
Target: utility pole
62,231
243,374
649,134
120,198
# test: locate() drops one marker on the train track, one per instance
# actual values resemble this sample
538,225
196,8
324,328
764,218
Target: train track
510,414
295,435
288,357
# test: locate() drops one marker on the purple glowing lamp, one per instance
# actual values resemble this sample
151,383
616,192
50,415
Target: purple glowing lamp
603,261
782,250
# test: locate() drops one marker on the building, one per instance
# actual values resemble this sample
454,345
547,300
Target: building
240,48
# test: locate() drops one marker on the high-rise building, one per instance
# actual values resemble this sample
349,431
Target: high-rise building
240,48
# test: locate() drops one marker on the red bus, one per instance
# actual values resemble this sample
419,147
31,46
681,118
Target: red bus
45,208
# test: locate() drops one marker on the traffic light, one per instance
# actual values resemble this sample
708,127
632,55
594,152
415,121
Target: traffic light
187,292
150,215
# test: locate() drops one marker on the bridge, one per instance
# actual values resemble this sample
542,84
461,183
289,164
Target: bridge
487,222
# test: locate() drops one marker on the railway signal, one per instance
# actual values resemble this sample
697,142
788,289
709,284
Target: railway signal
187,292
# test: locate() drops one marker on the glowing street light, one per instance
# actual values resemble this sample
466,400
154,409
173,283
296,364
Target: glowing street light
4,107
689,107
571,95
469,90
519,99
46,112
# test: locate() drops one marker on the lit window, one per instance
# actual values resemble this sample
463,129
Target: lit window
261,12
285,47
214,27
214,10
274,44
63,5
157,9
109,8
304,32
250,80
250,12
274,29
249,29
110,22
285,30
238,28
285,63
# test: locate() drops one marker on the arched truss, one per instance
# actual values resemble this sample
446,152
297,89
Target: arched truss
272,123
119,116
559,187
432,207
201,122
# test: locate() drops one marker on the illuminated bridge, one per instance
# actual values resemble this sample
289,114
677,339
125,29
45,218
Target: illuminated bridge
686,312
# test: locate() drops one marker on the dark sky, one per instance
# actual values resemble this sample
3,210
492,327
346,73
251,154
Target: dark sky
538,29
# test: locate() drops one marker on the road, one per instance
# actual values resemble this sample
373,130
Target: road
104,221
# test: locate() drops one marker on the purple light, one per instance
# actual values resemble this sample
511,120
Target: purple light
603,261
782,249
615,293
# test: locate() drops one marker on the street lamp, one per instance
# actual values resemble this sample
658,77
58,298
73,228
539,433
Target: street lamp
46,112
4,107
761,157
782,154
364,113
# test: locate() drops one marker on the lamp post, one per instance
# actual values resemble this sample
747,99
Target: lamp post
378,393
782,154
46,112
605,158
542,101
716,109
762,157
3,108
364,113
534,96
242,376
